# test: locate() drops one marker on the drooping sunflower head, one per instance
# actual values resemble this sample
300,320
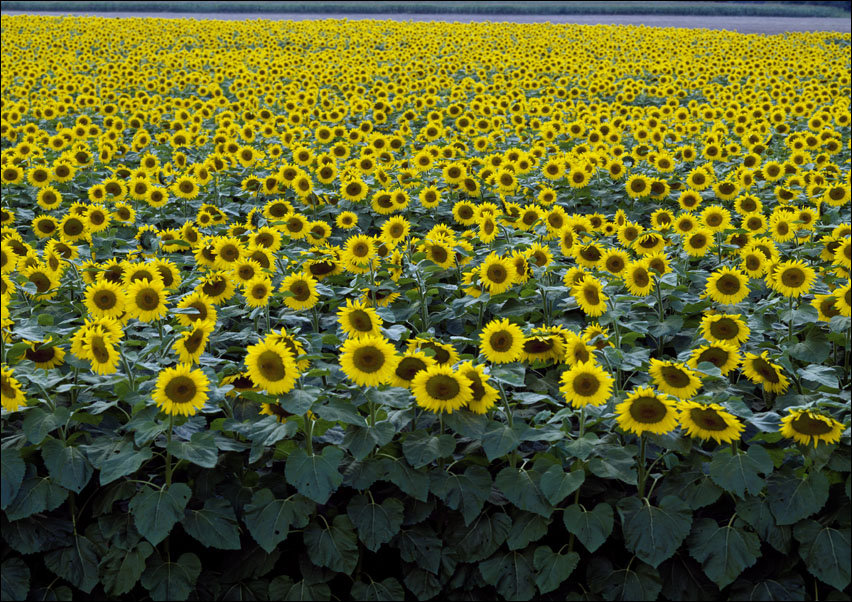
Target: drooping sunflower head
759,370
674,378
710,421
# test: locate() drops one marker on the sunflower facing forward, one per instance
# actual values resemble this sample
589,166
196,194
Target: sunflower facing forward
271,366
808,426
357,320
646,411
674,378
709,421
441,389
146,300
501,342
368,361
586,384
12,395
590,296
181,390
727,286
791,278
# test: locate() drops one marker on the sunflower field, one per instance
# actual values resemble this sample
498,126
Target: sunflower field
388,310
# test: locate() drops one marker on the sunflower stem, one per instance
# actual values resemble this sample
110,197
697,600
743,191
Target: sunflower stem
127,371
641,466
266,315
168,450
309,433
790,323
582,422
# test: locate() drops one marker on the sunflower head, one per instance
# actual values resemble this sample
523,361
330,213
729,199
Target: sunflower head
808,426
646,411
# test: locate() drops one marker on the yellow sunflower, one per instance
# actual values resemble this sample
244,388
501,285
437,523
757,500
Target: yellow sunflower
590,296
146,300
826,306
710,421
844,299
368,361
808,426
191,343
724,356
304,291
759,370
646,411
410,364
99,348
181,390
441,389
496,274
44,354
358,320
792,278
444,353
638,278
271,366
727,286
105,299
674,378
198,307
484,396
501,342
11,394
586,384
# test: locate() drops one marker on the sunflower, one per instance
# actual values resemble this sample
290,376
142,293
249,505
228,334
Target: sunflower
45,226
257,291
217,286
615,261
44,354
46,281
698,242
544,345
844,299
185,187
11,395
395,230
808,426
146,300
586,384
484,395
368,360
646,411
501,342
181,390
410,364
724,356
753,262
792,278
358,320
105,299
201,309
496,274
303,289
759,370
674,378
441,389
715,218
826,306
577,349
727,286
98,347
191,343
439,251
638,278
590,296
271,366
637,186
444,353
710,421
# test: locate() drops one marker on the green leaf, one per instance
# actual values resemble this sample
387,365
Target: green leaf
269,519
510,374
792,499
466,492
511,573
783,588
316,476
826,552
636,582
116,458
362,440
724,552
814,349
333,546
171,580
14,579
556,484
376,523
410,481
614,463
37,534
654,533
552,569
12,470
215,525
381,591
77,564
423,584
756,512
526,528
693,487
498,440
299,401
481,538
738,472
38,423
520,489
155,511
421,546
121,568
283,588
592,527
200,449
36,494
820,375
68,466
420,448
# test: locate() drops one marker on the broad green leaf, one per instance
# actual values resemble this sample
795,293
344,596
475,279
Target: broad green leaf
792,498
214,525
724,552
166,580
693,487
283,588
14,579
789,587
552,568
420,448
526,528
654,533
638,581
410,481
38,423
68,466
423,584
814,349
465,492
684,579
739,472
77,563
614,463
200,449
510,374
269,519
299,401
376,523
121,568
36,494
421,546
820,376
334,545
380,591
116,458
519,488
757,513
556,484
12,470
155,511
362,440
498,440
511,573
481,538
316,476
38,534
826,552
592,527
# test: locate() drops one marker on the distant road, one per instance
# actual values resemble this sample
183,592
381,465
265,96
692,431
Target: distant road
764,25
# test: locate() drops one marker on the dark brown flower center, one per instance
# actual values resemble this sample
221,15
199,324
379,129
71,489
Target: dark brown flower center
648,410
443,387
180,389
